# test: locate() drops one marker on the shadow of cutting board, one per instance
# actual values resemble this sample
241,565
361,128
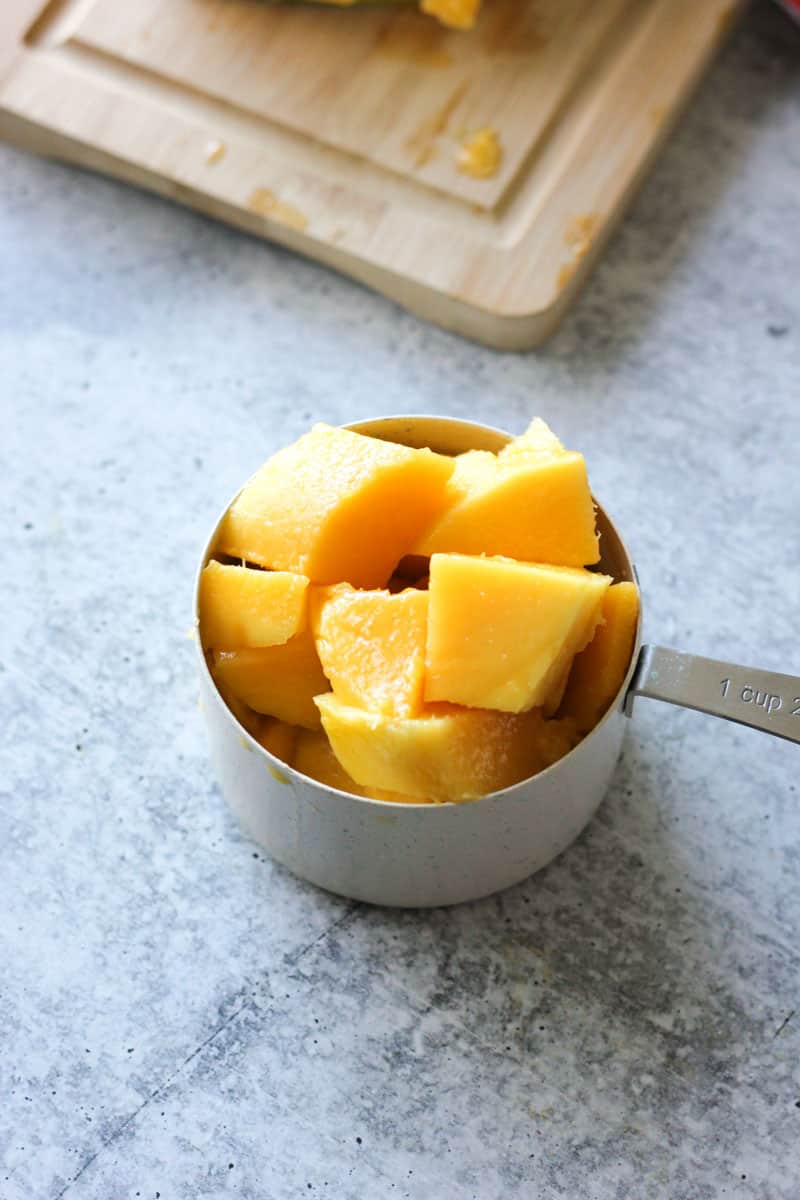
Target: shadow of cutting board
336,131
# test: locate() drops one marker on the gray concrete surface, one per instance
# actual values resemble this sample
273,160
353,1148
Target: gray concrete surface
180,1018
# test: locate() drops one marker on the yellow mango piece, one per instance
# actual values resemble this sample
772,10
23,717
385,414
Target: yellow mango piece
531,502
240,606
372,646
598,671
279,738
247,718
501,633
394,797
313,756
336,506
458,14
447,753
538,441
279,681
552,702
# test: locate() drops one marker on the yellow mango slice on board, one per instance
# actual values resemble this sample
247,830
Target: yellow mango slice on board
501,633
241,606
372,646
314,756
530,502
279,681
598,671
458,14
336,506
447,753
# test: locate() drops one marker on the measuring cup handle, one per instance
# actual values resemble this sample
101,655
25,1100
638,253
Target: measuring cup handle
762,699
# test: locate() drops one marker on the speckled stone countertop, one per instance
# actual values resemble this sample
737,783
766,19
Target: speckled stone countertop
182,1019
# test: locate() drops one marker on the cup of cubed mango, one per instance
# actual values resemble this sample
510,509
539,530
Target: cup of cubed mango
414,638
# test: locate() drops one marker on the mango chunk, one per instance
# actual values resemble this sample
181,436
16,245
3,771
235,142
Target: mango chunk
447,753
279,738
552,703
247,718
279,681
538,441
598,671
530,502
394,797
314,757
372,647
458,14
501,633
336,506
240,606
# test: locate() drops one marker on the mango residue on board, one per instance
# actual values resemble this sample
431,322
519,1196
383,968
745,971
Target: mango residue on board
265,203
418,628
480,154
457,14
578,236
215,151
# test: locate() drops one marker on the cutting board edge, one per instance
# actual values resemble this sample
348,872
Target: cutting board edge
498,329
495,330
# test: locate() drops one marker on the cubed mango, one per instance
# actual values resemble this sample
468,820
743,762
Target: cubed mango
447,753
598,671
538,441
372,646
501,633
335,506
279,681
314,757
458,14
279,738
530,502
246,716
242,606
552,702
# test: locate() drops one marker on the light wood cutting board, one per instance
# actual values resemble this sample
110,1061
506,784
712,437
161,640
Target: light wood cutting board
336,131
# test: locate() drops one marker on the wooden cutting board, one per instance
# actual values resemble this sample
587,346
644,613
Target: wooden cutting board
336,131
